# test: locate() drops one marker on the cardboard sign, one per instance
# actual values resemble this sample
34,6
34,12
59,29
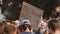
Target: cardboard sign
31,13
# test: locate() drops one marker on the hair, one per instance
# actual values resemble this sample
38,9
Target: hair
8,18
54,24
57,5
46,32
57,14
2,25
45,17
9,29
41,27
25,26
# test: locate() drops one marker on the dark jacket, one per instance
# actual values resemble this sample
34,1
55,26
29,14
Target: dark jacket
27,33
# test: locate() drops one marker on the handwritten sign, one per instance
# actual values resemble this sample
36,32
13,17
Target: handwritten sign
31,13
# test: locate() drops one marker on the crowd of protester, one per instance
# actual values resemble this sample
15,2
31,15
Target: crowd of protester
49,25
46,26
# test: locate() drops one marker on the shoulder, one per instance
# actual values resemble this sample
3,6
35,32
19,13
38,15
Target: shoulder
27,33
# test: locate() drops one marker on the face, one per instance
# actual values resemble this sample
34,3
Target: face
42,27
58,9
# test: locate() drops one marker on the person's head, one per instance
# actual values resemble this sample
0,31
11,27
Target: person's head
54,26
10,29
42,28
45,19
27,27
8,21
17,23
58,8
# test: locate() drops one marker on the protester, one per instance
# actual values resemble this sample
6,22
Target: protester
54,26
57,12
44,21
58,8
17,25
22,24
42,29
27,29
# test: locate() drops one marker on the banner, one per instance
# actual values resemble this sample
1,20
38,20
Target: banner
31,13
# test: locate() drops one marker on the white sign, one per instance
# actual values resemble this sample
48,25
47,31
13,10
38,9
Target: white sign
31,13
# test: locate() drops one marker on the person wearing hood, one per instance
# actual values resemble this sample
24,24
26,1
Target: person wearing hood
26,27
